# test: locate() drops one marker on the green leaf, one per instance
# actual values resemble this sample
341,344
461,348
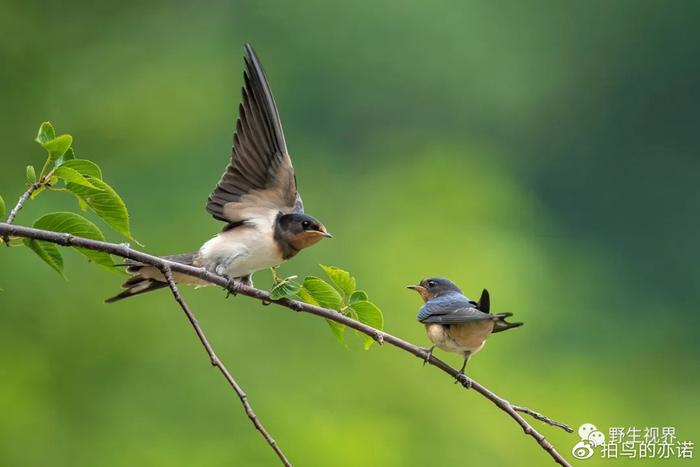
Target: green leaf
58,146
15,242
81,202
342,279
337,329
351,313
2,207
285,289
46,133
324,294
74,224
305,296
31,175
48,252
71,175
105,203
69,155
358,295
369,314
37,192
84,167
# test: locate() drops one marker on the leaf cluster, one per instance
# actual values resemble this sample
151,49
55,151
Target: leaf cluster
63,171
340,294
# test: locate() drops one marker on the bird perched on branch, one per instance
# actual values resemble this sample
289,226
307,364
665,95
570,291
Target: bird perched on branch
455,323
257,197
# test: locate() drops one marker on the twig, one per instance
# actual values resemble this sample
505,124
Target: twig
539,416
124,251
22,199
218,364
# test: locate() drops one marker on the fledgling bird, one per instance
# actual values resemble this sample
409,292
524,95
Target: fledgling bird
453,322
257,197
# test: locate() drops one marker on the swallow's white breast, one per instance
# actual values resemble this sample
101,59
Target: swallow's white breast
242,250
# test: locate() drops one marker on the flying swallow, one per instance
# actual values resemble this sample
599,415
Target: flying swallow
455,323
257,197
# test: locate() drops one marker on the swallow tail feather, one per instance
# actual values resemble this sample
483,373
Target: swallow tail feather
503,325
146,278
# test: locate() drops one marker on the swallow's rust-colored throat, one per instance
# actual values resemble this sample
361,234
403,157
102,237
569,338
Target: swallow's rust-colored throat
309,237
422,291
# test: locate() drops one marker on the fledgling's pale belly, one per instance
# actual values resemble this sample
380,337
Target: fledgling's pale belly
463,337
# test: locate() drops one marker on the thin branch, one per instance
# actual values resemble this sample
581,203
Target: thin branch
22,199
215,361
539,416
124,251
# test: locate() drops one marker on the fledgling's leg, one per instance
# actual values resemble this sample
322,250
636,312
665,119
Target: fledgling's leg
430,354
464,365
461,377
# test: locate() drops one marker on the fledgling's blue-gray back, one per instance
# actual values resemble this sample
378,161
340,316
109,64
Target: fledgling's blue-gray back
444,304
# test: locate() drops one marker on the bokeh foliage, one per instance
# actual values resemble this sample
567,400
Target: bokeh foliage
545,150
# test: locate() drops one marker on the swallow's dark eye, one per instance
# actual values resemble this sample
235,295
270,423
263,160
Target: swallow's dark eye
431,284
306,225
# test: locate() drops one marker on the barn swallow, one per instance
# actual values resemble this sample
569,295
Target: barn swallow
455,323
257,197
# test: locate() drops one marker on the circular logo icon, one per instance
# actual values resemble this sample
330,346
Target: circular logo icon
582,450
590,438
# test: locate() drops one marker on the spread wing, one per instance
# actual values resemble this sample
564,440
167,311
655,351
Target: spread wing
454,316
260,177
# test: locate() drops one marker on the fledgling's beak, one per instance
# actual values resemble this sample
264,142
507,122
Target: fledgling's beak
422,291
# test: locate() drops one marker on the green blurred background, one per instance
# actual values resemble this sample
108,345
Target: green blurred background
545,150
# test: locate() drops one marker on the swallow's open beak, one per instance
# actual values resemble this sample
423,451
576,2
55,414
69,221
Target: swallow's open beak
324,233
